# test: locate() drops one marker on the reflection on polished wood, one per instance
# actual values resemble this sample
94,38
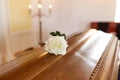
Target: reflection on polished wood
92,55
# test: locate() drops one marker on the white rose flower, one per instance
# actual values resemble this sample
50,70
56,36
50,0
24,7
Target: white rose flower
56,45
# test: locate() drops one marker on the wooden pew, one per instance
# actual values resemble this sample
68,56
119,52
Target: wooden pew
109,27
92,55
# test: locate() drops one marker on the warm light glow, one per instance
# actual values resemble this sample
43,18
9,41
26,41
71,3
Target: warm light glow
117,13
50,6
40,6
29,6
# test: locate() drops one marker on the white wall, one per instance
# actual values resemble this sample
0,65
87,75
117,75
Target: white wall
19,41
75,15
117,13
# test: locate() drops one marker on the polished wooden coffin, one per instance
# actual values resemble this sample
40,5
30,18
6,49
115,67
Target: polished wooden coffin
92,55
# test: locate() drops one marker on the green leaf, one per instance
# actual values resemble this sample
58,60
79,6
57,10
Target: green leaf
53,33
58,33
63,35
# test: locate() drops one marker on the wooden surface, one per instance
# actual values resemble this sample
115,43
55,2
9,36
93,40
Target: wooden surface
92,55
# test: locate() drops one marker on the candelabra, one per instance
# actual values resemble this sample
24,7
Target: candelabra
40,14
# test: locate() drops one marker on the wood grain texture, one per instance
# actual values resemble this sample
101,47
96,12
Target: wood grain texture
92,55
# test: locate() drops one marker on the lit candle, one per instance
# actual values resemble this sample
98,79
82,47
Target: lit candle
50,6
50,9
40,6
29,7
